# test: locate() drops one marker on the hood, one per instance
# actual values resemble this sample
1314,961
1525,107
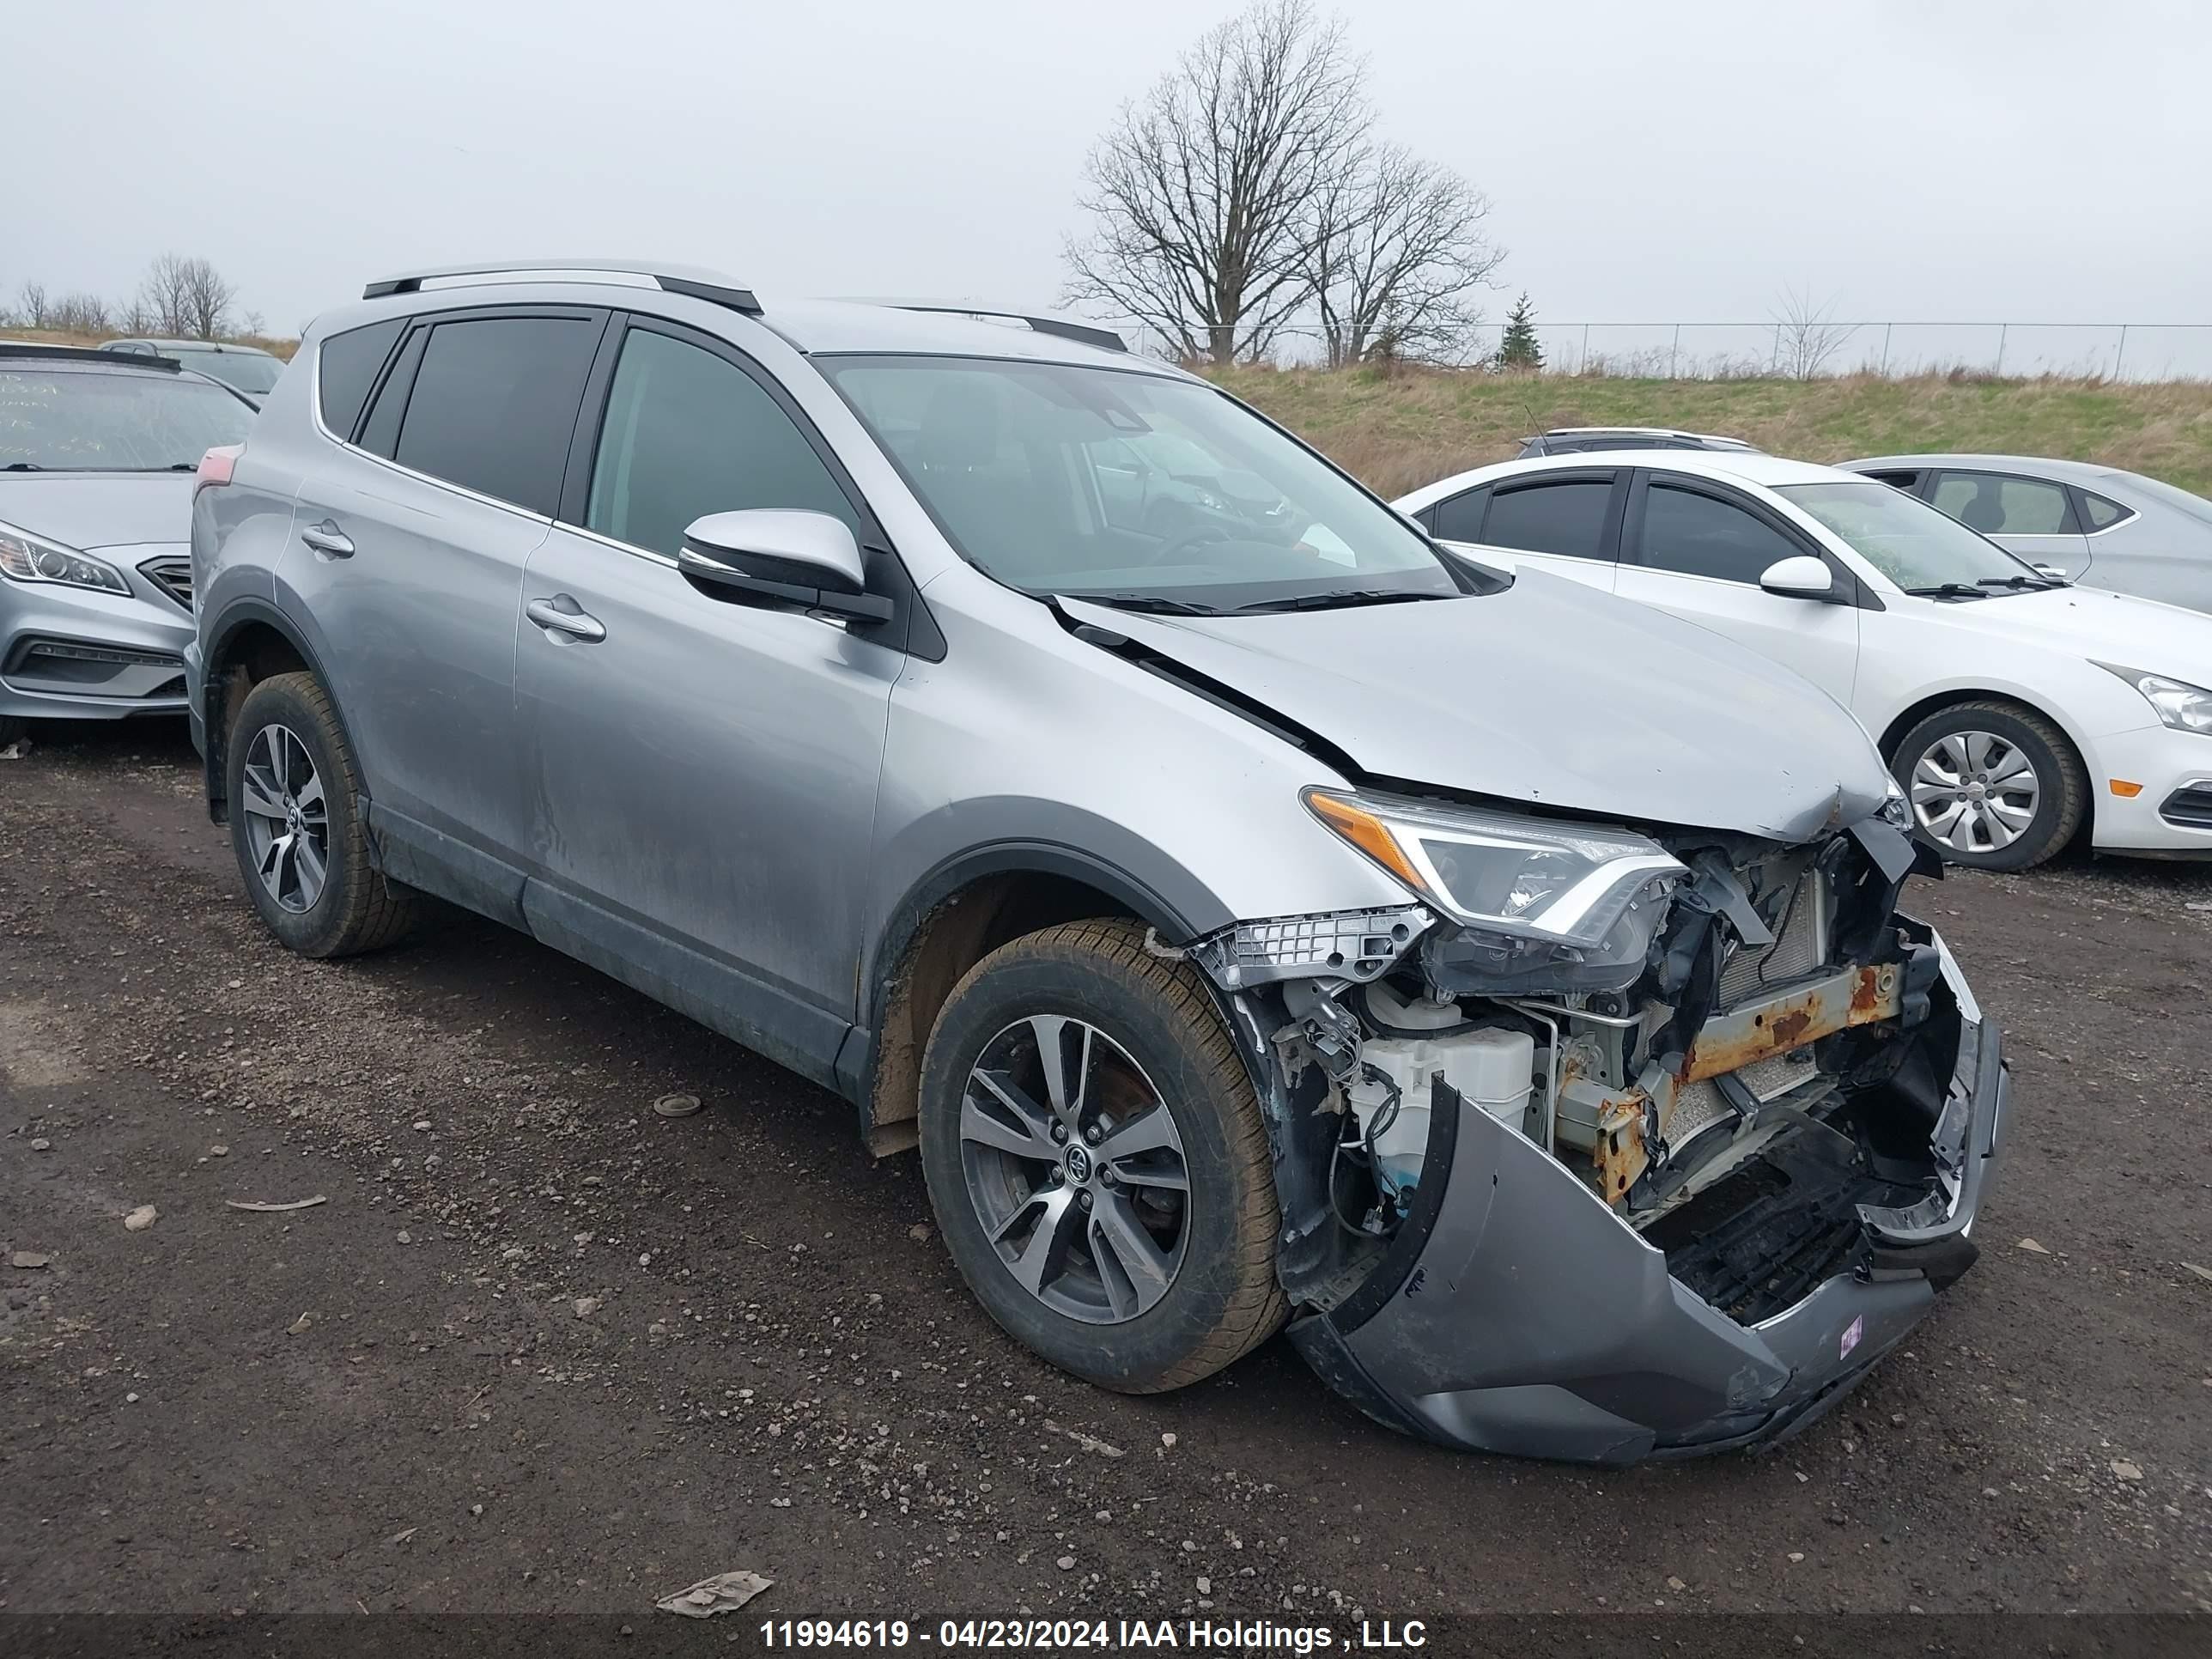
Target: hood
1549,693
92,510
2093,623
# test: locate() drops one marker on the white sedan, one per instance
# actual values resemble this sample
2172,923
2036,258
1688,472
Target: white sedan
2015,710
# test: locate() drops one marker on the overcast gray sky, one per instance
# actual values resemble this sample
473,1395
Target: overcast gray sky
1948,159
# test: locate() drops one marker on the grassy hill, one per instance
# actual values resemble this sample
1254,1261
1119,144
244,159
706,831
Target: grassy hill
1398,430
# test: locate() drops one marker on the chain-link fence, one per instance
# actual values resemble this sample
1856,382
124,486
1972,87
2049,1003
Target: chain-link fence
2121,351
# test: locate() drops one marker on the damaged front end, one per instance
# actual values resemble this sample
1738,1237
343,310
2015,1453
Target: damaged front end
1613,1144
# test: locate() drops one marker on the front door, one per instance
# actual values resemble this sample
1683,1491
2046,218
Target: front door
2032,518
1698,549
705,769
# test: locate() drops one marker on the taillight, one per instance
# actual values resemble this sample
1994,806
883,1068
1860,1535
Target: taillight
217,465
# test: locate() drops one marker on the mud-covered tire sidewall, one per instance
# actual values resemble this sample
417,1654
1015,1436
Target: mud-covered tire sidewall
357,910
1224,1299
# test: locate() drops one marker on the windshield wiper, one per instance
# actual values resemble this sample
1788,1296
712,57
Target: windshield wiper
1950,590
2034,582
1348,597
22,466
1155,604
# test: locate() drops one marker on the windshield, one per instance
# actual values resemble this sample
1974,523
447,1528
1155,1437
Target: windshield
1910,542
2179,499
1133,487
249,371
84,420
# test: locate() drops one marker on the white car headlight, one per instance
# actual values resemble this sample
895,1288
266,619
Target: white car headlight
2183,706
27,558
1538,890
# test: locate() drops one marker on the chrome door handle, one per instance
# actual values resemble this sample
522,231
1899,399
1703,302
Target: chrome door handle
562,615
326,537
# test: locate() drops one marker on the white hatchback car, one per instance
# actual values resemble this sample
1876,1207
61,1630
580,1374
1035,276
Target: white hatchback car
2016,710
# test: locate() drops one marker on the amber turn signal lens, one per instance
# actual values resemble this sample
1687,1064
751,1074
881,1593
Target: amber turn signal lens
2125,790
1366,832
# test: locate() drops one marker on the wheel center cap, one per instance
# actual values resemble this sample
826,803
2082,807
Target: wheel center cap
1976,790
1078,1164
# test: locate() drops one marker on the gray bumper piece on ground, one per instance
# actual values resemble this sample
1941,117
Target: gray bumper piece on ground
1513,1313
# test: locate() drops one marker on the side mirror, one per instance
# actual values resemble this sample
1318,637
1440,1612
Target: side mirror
1800,576
2053,572
778,556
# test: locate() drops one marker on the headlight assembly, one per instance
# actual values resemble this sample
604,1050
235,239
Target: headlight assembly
2183,706
27,558
1542,903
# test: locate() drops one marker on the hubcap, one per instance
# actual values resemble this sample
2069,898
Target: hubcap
1974,792
287,820
1075,1168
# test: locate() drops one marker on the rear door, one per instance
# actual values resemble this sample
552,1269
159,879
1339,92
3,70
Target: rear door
409,551
1698,548
2032,517
1566,522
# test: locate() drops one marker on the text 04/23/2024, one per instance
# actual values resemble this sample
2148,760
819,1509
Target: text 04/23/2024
1241,1636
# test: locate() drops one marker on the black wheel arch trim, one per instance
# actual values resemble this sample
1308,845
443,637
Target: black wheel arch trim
1042,858
856,1063
235,617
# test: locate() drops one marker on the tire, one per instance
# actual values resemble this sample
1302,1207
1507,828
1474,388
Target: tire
1941,763
351,908
1163,1045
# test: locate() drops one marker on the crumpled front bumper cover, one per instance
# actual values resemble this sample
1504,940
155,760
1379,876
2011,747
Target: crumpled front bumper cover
1515,1314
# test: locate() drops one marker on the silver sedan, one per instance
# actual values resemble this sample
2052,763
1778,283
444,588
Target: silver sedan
2100,526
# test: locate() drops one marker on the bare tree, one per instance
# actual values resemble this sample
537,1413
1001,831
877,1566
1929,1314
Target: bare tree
187,297
1394,257
1806,335
1203,191
78,313
32,307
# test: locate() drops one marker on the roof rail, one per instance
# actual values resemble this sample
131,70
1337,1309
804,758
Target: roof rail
1062,328
32,348
709,285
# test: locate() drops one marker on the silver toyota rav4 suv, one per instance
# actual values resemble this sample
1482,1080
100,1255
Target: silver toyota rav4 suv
1255,913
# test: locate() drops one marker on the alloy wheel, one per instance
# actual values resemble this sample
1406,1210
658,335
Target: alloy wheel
1075,1170
286,819
1975,791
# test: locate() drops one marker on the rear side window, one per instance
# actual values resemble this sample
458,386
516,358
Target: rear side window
494,402
2103,515
1566,518
688,433
1997,505
1460,519
347,369
1700,536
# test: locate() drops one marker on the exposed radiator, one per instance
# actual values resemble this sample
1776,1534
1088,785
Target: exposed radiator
1801,945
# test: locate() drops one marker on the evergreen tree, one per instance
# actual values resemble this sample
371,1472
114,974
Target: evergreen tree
1519,348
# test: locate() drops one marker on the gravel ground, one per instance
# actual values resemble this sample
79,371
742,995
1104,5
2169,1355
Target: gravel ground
541,1349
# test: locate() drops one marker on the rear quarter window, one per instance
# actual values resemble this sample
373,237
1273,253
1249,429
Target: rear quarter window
347,368
1460,519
